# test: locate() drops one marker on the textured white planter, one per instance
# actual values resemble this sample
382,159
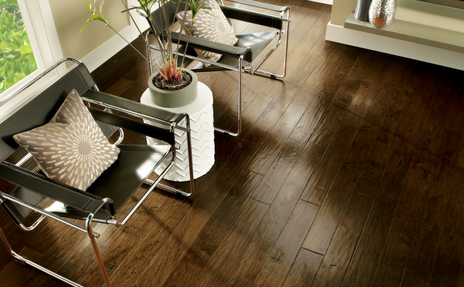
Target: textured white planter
173,99
202,132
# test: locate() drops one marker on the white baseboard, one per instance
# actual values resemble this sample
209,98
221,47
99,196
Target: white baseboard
108,49
434,55
328,2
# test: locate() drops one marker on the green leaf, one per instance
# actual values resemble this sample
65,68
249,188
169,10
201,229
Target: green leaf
26,49
94,16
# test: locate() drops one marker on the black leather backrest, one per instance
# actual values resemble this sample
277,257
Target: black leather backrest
158,16
42,108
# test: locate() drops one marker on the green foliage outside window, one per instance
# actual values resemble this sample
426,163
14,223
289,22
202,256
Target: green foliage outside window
16,57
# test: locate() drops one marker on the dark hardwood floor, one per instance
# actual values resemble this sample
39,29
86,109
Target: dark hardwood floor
347,173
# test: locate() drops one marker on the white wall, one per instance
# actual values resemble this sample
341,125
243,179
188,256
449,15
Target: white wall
70,16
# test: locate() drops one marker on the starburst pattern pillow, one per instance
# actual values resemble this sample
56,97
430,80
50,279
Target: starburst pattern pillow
71,149
209,24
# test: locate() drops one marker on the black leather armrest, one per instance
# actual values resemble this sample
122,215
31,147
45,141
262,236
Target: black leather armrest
252,17
262,5
198,43
67,195
128,106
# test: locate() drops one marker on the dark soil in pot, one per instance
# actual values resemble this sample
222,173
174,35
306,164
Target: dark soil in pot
172,85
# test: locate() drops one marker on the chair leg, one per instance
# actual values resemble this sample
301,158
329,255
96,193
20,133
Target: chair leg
276,76
239,107
88,225
24,261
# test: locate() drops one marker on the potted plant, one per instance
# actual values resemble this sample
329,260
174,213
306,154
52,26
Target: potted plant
172,85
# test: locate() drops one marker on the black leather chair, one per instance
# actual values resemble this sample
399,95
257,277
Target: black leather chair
245,56
103,200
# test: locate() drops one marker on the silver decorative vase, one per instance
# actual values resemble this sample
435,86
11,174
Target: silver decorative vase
362,10
382,12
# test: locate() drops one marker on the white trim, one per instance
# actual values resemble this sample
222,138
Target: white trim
328,2
447,58
42,28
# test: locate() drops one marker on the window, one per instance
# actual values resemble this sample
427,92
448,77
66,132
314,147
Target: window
17,59
44,49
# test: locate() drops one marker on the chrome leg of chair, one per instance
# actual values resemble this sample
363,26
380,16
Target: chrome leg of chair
190,159
88,225
190,156
239,107
276,76
192,178
23,261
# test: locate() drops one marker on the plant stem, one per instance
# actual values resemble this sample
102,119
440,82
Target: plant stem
141,35
131,46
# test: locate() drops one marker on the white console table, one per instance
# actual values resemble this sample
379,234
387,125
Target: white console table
202,133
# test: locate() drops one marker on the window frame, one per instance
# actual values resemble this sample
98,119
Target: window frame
41,30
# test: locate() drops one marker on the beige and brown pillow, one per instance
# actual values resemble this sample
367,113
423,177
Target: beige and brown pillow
209,24
71,149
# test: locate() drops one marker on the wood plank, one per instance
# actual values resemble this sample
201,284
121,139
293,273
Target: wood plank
275,177
319,184
286,249
416,116
370,245
327,125
448,262
311,117
120,87
124,268
455,115
359,105
435,120
434,207
86,264
251,114
115,243
215,230
16,274
45,238
386,143
280,132
310,17
351,83
332,209
343,245
405,226
394,74
269,117
177,245
414,278
304,269
333,54
341,69
232,245
142,220
275,219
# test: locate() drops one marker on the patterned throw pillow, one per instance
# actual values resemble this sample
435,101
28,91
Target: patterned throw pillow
209,24
71,149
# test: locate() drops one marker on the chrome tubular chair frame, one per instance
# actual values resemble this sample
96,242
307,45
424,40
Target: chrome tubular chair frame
77,204
243,55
